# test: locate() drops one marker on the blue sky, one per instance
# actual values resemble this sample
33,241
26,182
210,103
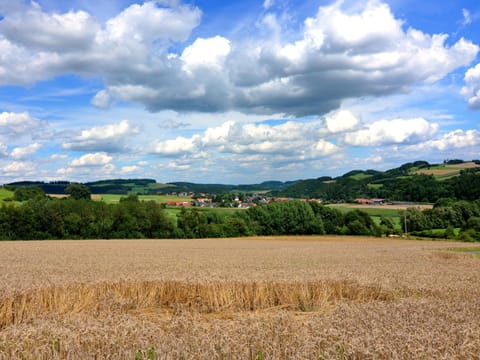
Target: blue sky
234,92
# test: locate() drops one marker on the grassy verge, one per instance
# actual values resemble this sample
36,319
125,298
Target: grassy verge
473,251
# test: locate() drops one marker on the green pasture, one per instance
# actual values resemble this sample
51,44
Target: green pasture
114,199
376,213
5,194
360,176
372,210
443,171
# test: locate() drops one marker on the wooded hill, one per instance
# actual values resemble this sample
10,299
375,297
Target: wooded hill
417,181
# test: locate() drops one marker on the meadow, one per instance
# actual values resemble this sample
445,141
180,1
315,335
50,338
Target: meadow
250,298
115,199
376,212
445,171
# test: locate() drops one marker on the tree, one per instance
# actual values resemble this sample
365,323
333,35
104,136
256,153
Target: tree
78,191
24,193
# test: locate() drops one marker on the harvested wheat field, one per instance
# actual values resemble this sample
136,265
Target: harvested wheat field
253,298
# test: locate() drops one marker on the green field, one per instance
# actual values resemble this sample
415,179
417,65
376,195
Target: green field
372,210
5,194
444,171
113,199
376,213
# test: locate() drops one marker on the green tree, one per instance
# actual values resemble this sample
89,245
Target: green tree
24,193
78,191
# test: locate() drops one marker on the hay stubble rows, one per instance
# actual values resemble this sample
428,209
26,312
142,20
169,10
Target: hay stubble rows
281,298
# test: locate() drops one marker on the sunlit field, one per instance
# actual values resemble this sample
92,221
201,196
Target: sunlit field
250,298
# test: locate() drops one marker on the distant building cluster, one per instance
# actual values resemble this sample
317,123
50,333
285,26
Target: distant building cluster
370,201
205,200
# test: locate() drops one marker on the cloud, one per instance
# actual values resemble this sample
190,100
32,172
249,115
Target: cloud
397,131
34,29
290,140
3,149
178,146
149,22
129,169
267,4
176,166
37,45
84,173
471,90
173,124
96,159
101,100
56,157
22,152
343,54
456,139
145,55
340,121
207,54
467,17
103,138
19,168
17,123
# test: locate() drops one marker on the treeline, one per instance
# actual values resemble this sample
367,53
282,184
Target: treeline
280,218
78,217
448,219
45,218
69,218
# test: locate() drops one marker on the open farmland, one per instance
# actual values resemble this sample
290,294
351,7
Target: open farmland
250,298
443,171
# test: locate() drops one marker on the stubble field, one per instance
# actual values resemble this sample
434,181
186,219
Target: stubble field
252,298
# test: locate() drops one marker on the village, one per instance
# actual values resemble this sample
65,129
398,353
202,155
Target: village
245,201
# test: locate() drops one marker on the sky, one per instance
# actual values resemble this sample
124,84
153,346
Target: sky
234,92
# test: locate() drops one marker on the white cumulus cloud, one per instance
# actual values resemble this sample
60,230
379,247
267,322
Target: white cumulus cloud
396,131
456,139
18,123
206,53
471,90
180,145
341,121
289,140
95,159
341,53
18,168
129,169
21,152
105,138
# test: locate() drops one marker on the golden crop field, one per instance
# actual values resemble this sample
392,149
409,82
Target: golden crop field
251,298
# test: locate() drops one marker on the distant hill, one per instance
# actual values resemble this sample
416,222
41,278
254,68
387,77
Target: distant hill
114,186
150,186
417,181
221,188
